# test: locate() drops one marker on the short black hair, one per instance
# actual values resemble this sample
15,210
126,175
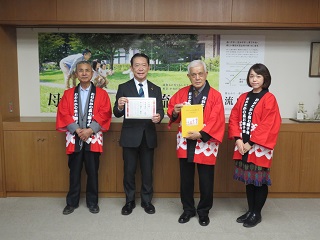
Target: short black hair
86,51
140,55
262,70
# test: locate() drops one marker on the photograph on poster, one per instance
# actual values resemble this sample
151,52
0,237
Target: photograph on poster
314,68
110,56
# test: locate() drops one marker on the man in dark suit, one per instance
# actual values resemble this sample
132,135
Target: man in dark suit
138,136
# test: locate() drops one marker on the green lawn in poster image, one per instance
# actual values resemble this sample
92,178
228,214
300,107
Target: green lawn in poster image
52,85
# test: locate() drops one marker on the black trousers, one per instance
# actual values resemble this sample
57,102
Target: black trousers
75,163
131,156
206,178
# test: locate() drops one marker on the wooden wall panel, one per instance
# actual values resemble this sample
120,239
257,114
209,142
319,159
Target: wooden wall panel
166,164
78,10
275,11
9,73
221,169
205,11
108,162
310,163
2,172
23,169
319,11
122,10
285,169
265,13
53,161
8,10
39,164
38,167
34,10
9,88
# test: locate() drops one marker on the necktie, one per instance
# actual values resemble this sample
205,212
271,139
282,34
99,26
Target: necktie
196,93
141,92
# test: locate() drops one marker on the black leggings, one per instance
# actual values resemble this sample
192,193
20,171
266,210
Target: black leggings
256,197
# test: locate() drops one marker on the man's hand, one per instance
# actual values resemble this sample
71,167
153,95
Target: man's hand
156,118
121,102
84,133
193,135
177,109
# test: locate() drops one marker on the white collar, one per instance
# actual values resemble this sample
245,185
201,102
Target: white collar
137,82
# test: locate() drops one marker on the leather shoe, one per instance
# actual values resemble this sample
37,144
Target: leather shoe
94,208
243,217
204,220
127,209
68,209
148,208
185,217
252,220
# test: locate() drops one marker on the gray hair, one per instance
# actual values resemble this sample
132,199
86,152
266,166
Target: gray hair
196,63
82,62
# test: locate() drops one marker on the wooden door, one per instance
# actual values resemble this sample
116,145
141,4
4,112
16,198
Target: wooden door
53,161
310,163
22,161
285,169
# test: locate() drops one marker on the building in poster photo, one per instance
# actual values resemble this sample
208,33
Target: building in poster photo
110,56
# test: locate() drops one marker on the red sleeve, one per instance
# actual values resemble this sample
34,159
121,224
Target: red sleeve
214,118
65,111
179,97
266,133
102,110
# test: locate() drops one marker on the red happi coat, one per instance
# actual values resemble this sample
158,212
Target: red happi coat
265,126
101,114
214,125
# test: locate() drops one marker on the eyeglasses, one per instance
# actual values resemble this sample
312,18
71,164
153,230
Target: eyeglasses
194,75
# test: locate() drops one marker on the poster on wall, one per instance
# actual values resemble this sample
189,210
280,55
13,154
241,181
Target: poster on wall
110,56
237,54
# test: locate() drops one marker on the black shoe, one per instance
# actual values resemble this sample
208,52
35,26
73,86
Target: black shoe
204,220
127,209
94,208
252,220
185,217
148,208
243,217
68,209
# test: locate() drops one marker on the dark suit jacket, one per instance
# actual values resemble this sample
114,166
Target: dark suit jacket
132,129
